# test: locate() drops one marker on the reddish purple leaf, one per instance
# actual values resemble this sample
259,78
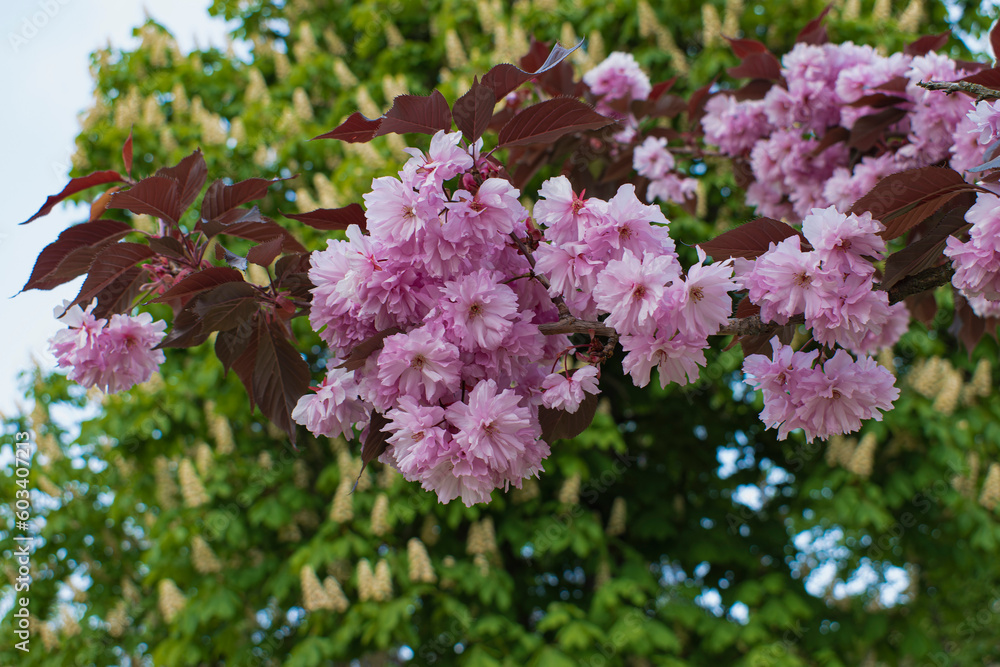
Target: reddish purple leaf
328,219
923,307
749,240
746,309
360,353
927,44
169,246
968,327
502,79
76,185
696,105
745,47
926,251
424,114
755,89
280,378
108,266
265,253
201,281
990,78
904,200
158,196
833,136
253,226
868,130
356,129
877,100
549,120
559,424
757,66
120,296
55,265
374,440
473,111
815,31
225,306
127,154
222,198
190,174
661,88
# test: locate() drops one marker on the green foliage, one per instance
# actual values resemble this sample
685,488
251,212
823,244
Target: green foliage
548,575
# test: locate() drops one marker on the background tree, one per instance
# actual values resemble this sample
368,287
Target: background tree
674,531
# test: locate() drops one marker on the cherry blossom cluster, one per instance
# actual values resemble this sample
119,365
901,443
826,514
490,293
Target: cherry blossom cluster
825,87
831,282
822,399
112,355
653,160
446,280
463,367
977,261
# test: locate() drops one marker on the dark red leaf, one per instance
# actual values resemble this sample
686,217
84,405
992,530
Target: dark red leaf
292,274
109,265
424,114
968,327
190,174
360,353
904,200
746,309
989,78
696,105
927,44
897,84
926,251
356,129
661,88
167,245
264,253
992,164
757,66
868,130
253,226
877,100
833,136
51,267
923,307
225,306
127,154
222,198
745,47
815,31
374,439
761,343
328,219
120,296
502,79
473,111
756,89
201,281
76,185
158,196
749,240
559,424
549,120
280,378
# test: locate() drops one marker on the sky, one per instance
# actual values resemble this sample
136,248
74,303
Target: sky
45,78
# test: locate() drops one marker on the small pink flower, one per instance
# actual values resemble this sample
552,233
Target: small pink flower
619,77
335,407
562,392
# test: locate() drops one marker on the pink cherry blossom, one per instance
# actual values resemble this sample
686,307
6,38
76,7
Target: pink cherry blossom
619,77
566,392
334,408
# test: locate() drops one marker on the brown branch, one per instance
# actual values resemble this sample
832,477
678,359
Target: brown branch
979,92
571,325
927,279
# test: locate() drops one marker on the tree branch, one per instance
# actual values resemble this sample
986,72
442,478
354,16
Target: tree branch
979,92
